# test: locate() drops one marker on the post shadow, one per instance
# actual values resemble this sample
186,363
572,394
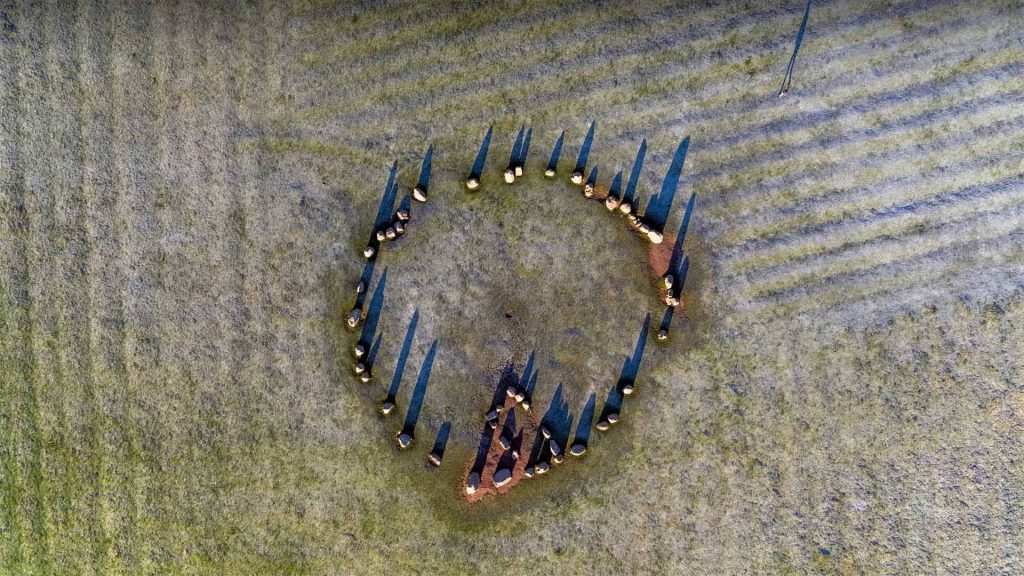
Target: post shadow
513,156
481,156
406,204
403,356
530,387
677,249
440,443
486,437
592,179
582,436
371,358
555,153
373,312
364,279
524,378
418,393
424,182
558,419
658,208
788,78
581,160
634,176
508,430
612,406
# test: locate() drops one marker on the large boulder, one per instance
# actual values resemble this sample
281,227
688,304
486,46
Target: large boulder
502,477
419,194
404,440
474,483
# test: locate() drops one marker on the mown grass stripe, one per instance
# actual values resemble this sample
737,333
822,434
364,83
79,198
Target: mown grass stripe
766,228
976,270
972,180
602,75
33,506
1002,217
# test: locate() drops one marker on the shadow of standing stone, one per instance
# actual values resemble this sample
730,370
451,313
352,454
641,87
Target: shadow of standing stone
408,432
436,455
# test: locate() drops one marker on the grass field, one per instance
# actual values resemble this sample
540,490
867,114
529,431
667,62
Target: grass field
186,187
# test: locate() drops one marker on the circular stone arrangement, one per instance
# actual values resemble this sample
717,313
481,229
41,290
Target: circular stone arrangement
507,451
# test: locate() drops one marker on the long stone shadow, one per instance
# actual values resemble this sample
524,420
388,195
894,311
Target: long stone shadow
677,249
634,175
371,359
385,209
677,292
582,437
373,311
403,357
658,208
556,152
530,387
482,449
440,443
788,78
584,155
513,156
615,187
558,422
481,156
627,377
424,181
418,393
525,150
364,280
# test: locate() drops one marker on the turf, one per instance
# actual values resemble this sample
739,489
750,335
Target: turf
186,188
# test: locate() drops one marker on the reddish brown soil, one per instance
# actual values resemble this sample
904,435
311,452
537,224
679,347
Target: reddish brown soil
530,425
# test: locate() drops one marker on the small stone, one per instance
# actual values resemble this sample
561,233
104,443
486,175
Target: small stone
558,458
381,236
510,176
387,407
526,404
545,432
577,449
655,236
473,483
492,415
549,173
390,233
668,281
434,460
399,228
555,448
354,317
502,477
365,377
627,388
419,194
402,215
360,367
404,440
519,171
611,203
662,335
577,177
528,472
368,252
602,425
472,183
542,467
359,349
505,443
613,417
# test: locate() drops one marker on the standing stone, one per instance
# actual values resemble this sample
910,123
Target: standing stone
627,388
473,483
502,477
399,228
545,432
365,377
402,215
655,236
361,287
611,203
577,177
510,175
549,173
404,440
387,407
381,236
390,233
434,460
419,194
668,281
577,449
613,417
368,252
602,425
528,472
519,171
542,467
359,349
472,183
354,317
662,334
360,367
